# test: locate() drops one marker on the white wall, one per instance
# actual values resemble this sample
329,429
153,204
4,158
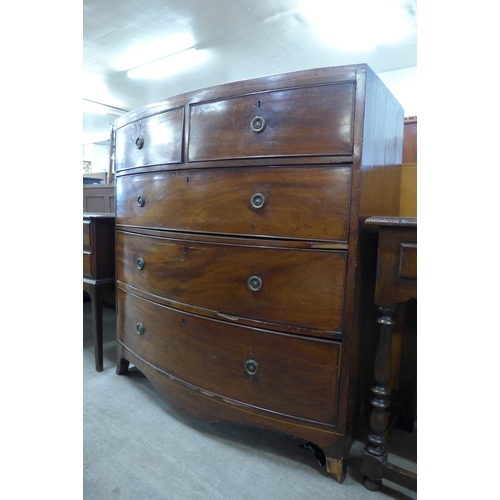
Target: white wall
403,84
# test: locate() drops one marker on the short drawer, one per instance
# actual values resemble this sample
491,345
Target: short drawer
87,265
303,288
155,140
408,260
281,373
309,203
87,241
306,121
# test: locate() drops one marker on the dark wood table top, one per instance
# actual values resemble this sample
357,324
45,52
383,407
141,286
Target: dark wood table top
98,214
384,220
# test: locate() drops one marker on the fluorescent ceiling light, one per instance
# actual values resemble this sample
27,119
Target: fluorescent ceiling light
168,66
376,22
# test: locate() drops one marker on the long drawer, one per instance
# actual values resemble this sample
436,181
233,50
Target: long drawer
245,365
309,203
155,140
304,288
315,120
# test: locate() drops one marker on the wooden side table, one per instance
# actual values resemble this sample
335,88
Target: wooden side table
98,270
396,283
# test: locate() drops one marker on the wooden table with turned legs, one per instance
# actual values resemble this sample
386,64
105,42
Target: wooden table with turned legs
396,283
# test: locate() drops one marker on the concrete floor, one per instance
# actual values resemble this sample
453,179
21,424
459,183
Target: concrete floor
137,447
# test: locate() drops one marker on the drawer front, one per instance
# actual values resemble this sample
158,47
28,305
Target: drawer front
87,241
304,288
408,260
309,203
155,140
282,373
87,265
295,122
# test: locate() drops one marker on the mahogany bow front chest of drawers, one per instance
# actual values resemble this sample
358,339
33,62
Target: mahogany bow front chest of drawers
239,251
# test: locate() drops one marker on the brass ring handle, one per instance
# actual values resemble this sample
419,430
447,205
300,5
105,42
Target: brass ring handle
141,200
257,201
251,367
140,328
255,283
140,263
258,124
139,142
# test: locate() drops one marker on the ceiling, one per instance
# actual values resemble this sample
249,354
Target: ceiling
239,39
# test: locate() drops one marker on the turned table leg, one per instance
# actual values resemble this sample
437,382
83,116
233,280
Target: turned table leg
375,453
